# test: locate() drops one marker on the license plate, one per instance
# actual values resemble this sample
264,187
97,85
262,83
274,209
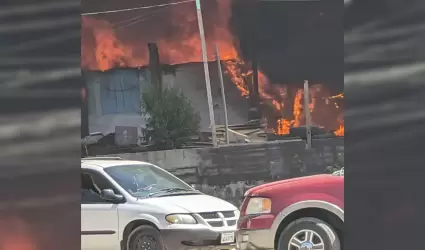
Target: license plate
227,238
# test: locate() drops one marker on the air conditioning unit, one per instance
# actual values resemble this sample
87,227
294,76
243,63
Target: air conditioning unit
126,136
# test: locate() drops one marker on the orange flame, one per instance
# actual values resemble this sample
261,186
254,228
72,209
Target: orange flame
233,68
103,50
340,131
284,125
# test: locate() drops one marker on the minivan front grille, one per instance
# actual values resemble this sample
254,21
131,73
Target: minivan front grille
220,219
231,222
210,215
216,223
228,214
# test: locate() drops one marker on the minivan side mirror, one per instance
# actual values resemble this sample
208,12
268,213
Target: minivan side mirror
109,195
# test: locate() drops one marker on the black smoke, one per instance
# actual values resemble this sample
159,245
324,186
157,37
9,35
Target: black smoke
294,40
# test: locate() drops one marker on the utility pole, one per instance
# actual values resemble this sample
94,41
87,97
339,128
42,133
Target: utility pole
254,90
307,114
223,96
206,71
155,65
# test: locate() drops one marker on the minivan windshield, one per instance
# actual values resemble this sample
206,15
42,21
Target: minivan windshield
145,180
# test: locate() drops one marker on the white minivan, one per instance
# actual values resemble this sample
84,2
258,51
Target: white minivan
133,205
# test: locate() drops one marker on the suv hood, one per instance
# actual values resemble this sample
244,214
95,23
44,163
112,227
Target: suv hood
191,203
305,179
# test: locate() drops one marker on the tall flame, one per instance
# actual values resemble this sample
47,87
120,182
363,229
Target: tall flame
106,45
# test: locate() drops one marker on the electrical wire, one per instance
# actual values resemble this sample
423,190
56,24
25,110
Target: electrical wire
132,23
140,16
129,20
137,8
137,19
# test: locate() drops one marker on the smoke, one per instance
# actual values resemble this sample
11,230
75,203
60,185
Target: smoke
294,41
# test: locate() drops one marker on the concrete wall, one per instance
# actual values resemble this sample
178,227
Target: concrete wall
227,172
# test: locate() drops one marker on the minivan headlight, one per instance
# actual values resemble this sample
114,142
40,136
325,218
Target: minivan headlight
180,219
258,205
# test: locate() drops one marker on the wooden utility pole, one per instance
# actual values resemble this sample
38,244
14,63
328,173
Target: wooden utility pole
206,71
223,95
254,89
307,114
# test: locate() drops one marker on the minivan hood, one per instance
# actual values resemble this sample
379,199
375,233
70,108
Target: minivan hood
192,203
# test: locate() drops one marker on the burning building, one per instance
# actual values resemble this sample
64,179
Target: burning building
120,41
114,95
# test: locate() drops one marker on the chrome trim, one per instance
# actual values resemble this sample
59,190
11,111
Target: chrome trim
306,204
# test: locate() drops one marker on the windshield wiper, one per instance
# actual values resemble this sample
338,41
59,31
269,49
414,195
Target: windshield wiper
171,190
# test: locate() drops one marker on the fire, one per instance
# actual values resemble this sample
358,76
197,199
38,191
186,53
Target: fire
107,44
284,125
340,131
233,68
319,109
15,235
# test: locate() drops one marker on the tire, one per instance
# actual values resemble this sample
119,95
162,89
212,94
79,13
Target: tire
322,233
145,237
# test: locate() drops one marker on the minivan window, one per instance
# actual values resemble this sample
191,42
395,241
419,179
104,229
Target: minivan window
144,179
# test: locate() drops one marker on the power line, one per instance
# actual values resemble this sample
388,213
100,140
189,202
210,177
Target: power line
134,22
138,19
137,8
131,19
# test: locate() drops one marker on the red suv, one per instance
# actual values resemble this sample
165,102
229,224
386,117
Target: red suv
305,213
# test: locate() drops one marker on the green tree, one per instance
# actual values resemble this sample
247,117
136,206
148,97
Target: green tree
171,118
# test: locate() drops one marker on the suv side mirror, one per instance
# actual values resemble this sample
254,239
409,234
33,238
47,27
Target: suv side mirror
109,195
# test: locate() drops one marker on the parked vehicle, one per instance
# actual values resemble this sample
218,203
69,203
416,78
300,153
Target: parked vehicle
339,172
304,213
132,205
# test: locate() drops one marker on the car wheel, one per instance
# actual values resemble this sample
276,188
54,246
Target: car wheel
145,237
309,234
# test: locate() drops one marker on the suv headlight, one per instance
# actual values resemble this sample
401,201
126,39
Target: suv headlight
237,213
258,205
180,219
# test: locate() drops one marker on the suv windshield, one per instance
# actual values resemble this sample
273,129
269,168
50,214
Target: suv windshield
146,180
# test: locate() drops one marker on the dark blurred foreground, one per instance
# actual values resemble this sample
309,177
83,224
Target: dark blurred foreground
385,117
39,125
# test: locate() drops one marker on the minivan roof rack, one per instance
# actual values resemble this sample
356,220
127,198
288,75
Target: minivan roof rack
106,158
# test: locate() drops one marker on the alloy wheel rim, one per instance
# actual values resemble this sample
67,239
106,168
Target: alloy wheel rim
306,240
